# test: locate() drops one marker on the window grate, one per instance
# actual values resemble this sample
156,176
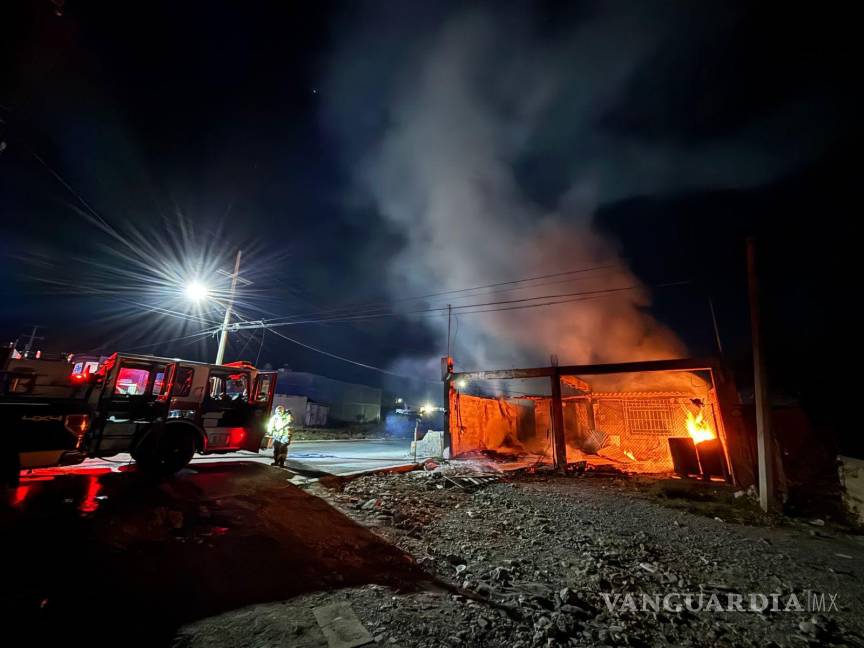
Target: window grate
648,419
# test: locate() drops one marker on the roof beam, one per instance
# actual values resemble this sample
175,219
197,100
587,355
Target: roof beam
679,364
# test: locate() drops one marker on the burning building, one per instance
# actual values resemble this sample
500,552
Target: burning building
646,417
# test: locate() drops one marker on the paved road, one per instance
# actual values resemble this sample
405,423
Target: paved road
306,458
332,457
135,558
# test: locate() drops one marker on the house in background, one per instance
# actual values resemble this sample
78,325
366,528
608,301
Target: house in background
323,399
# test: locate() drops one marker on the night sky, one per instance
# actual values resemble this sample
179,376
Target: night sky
197,128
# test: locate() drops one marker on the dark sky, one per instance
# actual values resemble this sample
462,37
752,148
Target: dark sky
195,128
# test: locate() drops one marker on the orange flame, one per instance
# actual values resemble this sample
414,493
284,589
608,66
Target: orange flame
698,428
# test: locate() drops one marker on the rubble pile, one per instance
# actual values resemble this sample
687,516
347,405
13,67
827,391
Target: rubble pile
548,562
409,502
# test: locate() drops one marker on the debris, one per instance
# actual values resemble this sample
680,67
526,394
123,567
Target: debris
648,567
341,626
817,522
501,574
843,555
548,548
808,627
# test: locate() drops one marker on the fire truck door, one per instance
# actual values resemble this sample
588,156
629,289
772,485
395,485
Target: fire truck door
129,404
259,412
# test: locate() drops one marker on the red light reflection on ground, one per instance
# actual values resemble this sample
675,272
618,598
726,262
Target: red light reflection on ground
46,474
21,494
89,504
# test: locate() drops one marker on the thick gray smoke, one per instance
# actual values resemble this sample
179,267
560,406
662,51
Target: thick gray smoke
471,111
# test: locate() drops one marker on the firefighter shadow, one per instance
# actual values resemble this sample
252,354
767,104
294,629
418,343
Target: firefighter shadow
156,555
297,467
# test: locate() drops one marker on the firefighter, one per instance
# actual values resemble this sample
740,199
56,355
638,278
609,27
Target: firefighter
279,428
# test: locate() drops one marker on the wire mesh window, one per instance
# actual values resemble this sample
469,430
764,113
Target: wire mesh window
649,419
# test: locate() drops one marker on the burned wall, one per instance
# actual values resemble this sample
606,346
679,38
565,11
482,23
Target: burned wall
499,425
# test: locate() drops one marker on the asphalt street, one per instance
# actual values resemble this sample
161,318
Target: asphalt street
308,458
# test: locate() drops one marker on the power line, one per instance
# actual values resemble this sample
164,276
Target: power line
503,303
167,311
344,359
199,334
260,346
381,305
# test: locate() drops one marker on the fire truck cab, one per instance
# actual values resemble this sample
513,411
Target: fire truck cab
159,410
164,410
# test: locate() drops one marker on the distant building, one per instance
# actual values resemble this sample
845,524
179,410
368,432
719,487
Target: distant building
345,402
305,412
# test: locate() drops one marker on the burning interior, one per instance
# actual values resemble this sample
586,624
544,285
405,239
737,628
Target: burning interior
640,422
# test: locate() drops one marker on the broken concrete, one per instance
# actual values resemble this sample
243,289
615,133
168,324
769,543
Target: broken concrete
341,626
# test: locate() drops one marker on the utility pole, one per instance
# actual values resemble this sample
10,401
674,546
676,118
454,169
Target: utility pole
764,436
223,338
32,337
447,379
449,312
716,328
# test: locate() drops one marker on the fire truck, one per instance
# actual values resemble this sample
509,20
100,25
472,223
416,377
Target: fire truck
160,410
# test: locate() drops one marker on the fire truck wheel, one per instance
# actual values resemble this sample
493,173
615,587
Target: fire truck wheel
167,452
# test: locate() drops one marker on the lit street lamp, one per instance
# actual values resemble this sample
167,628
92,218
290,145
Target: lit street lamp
197,292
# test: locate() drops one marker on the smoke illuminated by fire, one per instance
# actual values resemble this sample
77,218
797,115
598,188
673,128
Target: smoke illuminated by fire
446,174
484,146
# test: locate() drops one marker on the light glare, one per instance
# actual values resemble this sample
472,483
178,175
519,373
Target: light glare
196,291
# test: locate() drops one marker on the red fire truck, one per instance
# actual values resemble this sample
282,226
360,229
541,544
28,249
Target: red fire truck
160,410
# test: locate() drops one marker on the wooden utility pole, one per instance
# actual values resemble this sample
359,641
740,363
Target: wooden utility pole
223,338
764,436
449,313
31,338
716,328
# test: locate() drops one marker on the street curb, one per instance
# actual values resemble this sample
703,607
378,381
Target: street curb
399,468
293,441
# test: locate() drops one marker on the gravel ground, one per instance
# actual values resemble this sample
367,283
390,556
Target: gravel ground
550,561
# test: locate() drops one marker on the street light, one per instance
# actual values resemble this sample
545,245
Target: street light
196,291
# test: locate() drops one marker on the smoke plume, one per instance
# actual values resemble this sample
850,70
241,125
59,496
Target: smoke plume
455,169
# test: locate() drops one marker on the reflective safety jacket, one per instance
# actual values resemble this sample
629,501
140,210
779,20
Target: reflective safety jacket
279,428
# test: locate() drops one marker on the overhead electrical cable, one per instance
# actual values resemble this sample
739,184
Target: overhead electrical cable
380,305
344,359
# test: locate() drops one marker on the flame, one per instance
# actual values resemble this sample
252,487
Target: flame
698,428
